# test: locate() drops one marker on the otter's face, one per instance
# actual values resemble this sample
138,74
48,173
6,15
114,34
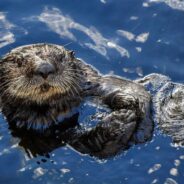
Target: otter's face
39,72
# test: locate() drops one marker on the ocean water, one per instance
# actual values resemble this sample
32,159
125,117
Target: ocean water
130,38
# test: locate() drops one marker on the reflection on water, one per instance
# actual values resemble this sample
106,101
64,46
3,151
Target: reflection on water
6,36
175,4
63,25
128,38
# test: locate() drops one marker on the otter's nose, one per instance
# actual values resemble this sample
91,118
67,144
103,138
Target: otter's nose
45,69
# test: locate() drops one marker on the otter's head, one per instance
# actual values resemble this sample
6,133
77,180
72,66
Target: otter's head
37,73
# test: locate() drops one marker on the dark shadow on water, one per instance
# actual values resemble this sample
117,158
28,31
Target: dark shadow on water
70,132
37,143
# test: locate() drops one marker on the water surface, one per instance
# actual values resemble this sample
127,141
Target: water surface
130,38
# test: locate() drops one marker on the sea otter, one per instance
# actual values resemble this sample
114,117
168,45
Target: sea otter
43,85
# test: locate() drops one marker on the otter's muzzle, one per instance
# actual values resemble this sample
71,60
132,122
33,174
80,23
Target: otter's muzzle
45,69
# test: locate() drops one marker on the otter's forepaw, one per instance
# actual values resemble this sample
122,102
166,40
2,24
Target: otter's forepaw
118,100
124,116
110,136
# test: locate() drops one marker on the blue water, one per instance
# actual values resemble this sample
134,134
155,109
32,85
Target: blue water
130,38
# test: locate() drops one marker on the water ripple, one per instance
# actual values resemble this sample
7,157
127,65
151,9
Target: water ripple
175,4
6,36
63,25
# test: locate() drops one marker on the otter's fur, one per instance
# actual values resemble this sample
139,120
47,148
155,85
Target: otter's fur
43,83
34,100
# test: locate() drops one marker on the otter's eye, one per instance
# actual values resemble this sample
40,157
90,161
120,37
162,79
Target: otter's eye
19,62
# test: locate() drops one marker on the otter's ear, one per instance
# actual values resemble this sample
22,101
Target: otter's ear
72,54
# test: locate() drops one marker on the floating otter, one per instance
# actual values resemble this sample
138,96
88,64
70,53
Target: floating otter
44,84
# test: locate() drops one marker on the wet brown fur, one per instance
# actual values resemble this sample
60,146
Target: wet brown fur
31,99
24,93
